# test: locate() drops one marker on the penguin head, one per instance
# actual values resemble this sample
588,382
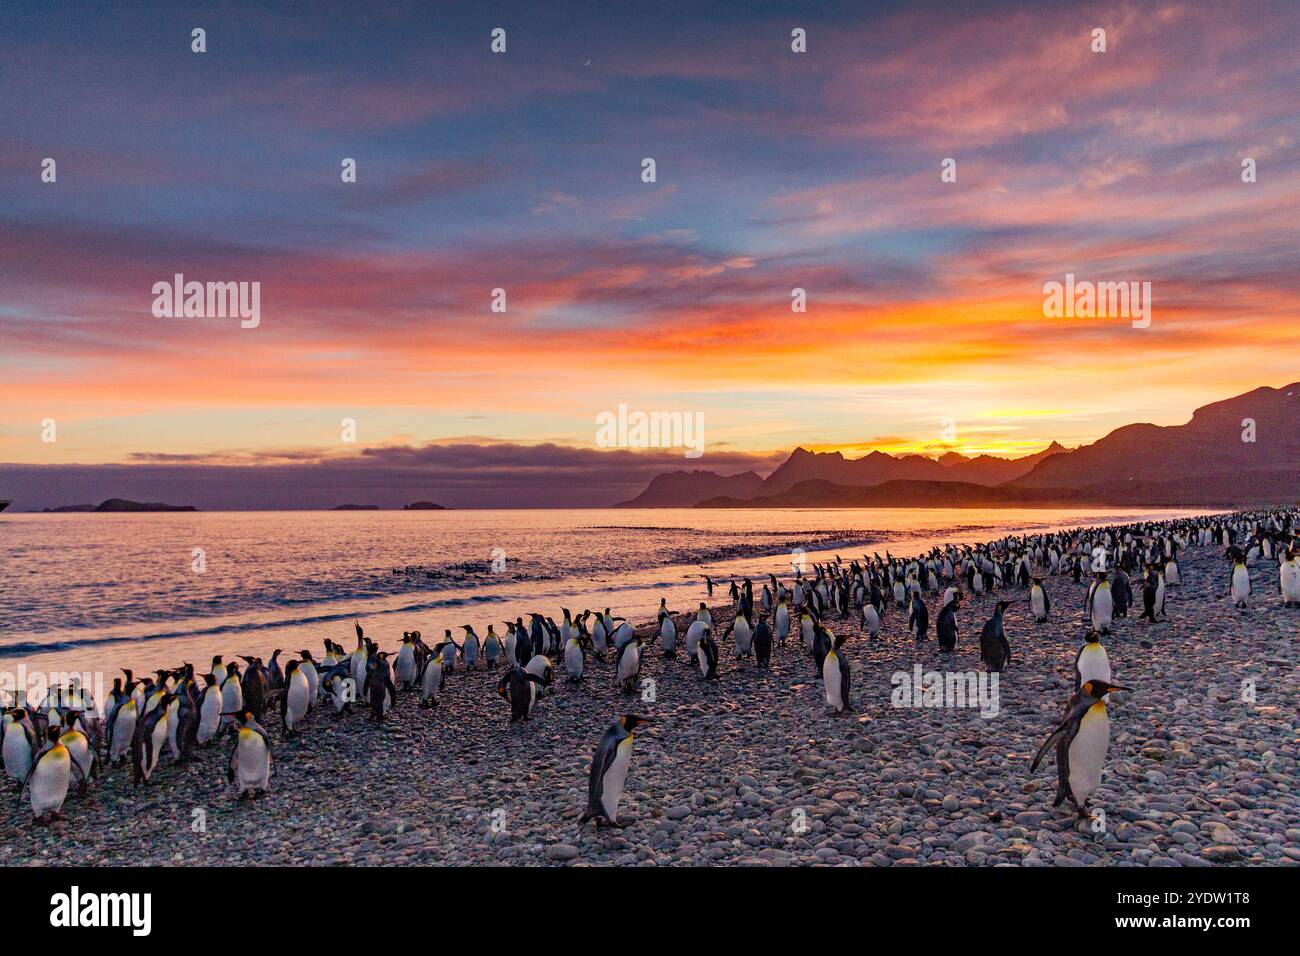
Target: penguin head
1092,637
1002,606
630,721
1097,689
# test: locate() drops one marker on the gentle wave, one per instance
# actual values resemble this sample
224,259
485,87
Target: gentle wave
31,647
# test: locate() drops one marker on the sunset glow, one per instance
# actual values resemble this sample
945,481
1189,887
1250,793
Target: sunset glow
822,172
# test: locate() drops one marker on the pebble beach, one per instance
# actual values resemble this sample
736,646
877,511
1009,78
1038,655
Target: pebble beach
756,770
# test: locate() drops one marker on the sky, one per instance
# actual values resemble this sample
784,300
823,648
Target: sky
925,329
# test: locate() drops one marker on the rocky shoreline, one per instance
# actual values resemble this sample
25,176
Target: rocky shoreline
755,770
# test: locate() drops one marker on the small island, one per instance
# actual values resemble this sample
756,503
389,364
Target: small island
355,508
122,505
423,506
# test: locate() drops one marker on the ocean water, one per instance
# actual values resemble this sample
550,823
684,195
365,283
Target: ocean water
98,592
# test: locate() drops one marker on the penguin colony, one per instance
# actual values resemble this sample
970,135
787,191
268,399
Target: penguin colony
65,742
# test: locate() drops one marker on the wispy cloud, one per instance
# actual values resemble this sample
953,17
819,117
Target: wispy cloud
522,172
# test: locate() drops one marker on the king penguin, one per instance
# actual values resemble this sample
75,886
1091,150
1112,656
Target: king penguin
743,629
251,764
1091,662
574,659
762,644
19,744
122,730
79,749
836,677
629,664
1240,583
946,628
150,735
918,623
1080,741
1040,605
431,681
781,622
405,672
1102,606
519,689
1288,571
307,665
609,766
706,655
47,783
296,697
379,686
693,634
871,620
491,648
667,631
995,652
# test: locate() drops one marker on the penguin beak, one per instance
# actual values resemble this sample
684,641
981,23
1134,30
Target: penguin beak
1115,687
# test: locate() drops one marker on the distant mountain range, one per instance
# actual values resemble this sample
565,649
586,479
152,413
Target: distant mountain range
1209,461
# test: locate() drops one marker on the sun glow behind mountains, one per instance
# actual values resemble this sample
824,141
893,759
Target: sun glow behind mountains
924,332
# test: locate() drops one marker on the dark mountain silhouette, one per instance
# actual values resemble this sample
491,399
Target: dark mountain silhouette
1208,461
991,470
1264,487
902,493
1209,448
879,467
682,489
